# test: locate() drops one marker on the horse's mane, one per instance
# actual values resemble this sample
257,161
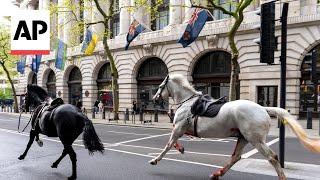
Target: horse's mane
37,93
181,80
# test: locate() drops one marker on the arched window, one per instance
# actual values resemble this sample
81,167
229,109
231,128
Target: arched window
309,82
51,84
150,75
104,83
74,84
211,73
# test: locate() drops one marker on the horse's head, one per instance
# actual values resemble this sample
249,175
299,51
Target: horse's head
35,95
163,91
177,87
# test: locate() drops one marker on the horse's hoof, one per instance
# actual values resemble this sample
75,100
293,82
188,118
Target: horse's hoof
21,157
54,165
181,150
40,143
72,177
214,177
153,162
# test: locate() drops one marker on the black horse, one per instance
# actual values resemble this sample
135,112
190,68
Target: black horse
65,121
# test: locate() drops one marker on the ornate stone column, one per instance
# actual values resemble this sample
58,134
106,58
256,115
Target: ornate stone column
125,18
175,12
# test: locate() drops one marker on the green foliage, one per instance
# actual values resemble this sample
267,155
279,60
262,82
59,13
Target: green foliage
6,59
6,93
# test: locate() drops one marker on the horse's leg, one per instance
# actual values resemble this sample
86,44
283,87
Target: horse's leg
33,134
179,147
177,132
73,157
40,143
56,163
272,157
236,156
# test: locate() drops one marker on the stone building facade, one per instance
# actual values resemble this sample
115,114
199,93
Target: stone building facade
206,62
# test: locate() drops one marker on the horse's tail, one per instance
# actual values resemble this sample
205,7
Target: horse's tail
91,140
312,144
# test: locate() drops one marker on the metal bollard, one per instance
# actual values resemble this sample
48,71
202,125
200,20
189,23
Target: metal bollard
104,113
93,113
309,119
141,116
156,115
171,115
126,117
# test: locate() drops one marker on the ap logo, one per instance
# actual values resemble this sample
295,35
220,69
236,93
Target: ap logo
30,32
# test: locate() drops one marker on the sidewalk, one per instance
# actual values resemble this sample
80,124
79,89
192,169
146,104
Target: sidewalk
164,123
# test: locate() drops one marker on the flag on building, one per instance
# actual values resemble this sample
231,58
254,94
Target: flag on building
89,43
21,65
194,27
134,30
61,54
36,60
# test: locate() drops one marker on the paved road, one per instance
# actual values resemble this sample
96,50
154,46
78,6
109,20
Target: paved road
128,149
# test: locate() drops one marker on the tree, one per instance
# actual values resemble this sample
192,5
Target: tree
72,9
7,62
237,15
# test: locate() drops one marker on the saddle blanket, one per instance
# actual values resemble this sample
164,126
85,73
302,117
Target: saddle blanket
207,106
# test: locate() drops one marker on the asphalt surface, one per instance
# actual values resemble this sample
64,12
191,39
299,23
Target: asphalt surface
128,150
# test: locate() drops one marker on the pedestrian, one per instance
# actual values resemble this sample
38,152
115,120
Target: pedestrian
96,107
79,104
134,107
100,105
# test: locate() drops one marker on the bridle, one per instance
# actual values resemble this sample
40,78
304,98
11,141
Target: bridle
165,86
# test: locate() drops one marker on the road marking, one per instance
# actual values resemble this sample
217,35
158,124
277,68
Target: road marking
204,140
119,132
190,152
156,154
125,152
254,151
144,138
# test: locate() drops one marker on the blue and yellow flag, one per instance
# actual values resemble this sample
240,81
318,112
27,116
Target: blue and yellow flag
89,43
61,54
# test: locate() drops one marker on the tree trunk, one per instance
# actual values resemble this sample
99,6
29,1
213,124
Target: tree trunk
16,109
115,76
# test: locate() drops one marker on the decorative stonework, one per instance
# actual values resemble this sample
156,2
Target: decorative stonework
212,40
148,49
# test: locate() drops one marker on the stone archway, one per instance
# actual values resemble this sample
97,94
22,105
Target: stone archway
211,73
150,74
75,85
104,85
309,82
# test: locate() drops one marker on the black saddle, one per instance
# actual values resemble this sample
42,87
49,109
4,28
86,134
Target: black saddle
44,117
207,106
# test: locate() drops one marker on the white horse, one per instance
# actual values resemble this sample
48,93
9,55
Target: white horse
244,119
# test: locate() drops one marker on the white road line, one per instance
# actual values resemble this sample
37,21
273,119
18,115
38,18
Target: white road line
144,138
121,151
203,140
254,151
156,154
119,132
190,152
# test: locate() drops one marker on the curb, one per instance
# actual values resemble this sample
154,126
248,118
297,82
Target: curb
93,121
